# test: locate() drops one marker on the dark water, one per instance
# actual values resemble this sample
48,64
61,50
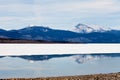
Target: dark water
58,65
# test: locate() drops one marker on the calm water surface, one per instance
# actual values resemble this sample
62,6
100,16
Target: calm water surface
57,65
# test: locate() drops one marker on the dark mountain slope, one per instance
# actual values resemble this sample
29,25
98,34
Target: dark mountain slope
41,34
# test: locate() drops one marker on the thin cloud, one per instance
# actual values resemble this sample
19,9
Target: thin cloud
95,6
59,12
16,8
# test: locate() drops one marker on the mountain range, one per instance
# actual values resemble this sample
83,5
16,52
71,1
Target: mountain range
82,28
81,34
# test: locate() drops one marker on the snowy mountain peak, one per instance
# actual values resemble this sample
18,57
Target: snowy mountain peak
35,28
82,28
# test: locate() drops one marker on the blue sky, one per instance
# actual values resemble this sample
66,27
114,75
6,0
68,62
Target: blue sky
60,14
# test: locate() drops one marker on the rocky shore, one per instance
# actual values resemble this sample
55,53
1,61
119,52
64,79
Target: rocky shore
110,76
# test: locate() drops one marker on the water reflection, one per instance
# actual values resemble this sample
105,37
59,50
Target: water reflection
42,57
79,58
58,65
1,56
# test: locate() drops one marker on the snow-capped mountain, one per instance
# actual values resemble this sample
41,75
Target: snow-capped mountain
82,28
95,34
34,29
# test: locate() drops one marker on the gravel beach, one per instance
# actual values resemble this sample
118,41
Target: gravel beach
110,76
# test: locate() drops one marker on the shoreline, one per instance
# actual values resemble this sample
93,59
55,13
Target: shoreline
109,76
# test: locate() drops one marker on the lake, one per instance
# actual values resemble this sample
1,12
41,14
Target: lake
32,66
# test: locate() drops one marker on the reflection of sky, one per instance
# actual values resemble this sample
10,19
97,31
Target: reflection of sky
17,67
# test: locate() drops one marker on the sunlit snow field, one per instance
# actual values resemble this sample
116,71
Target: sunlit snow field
41,49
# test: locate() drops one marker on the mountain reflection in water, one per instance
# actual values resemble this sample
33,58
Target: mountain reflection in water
79,58
32,66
